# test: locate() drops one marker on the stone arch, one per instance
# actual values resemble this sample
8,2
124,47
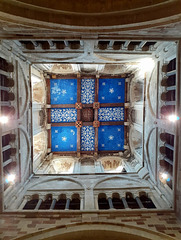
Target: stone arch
112,178
27,91
96,230
82,187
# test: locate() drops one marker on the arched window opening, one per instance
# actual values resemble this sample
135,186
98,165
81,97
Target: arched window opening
117,202
102,201
132,203
30,205
146,201
75,202
47,203
60,204
172,65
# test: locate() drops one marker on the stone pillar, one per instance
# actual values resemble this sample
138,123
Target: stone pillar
98,167
67,204
125,203
140,204
81,203
110,203
96,202
38,204
76,167
89,198
53,204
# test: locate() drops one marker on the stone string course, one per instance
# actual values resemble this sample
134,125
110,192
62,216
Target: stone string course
16,225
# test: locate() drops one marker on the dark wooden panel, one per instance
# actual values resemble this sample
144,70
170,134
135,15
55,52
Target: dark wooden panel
112,104
79,114
123,75
48,90
87,115
96,89
109,151
49,115
95,114
126,88
87,123
73,153
78,90
63,124
59,76
78,140
87,105
63,106
112,123
87,152
96,140
49,139
126,129
125,114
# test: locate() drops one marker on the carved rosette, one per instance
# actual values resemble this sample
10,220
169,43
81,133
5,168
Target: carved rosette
96,105
96,124
78,105
78,124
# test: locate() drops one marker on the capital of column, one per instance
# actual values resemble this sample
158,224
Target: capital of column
42,196
69,196
109,195
27,198
55,196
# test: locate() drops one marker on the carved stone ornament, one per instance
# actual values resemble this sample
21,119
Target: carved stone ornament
96,105
78,105
96,124
78,124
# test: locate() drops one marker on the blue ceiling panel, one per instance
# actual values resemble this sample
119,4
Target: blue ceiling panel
63,115
87,90
111,114
112,90
111,138
64,139
87,138
63,91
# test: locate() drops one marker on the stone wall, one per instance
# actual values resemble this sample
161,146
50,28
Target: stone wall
18,224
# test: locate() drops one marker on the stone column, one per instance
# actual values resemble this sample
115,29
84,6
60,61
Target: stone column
110,203
53,204
140,204
96,202
67,204
38,204
125,203
81,203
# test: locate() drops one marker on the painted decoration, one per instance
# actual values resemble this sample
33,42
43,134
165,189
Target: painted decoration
63,115
112,90
111,138
63,91
87,91
87,138
111,114
64,139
